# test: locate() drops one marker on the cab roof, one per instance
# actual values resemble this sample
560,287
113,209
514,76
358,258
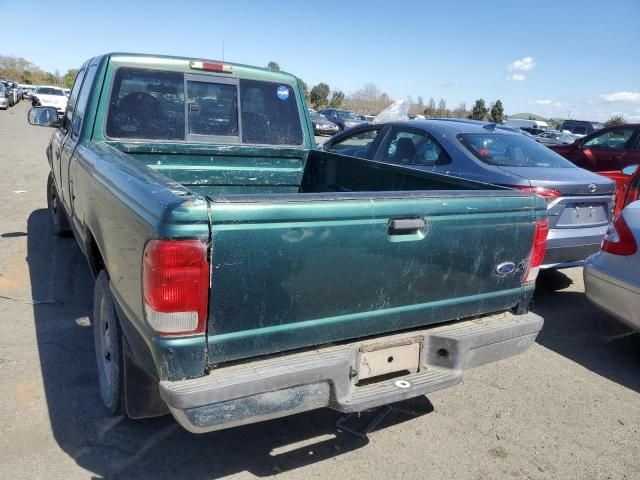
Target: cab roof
184,63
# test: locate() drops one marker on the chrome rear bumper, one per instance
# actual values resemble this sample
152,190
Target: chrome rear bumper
264,389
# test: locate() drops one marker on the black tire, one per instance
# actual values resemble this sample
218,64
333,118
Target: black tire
108,346
59,221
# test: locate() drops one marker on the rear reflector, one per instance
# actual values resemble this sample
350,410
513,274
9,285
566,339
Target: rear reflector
619,240
542,191
538,249
211,67
175,281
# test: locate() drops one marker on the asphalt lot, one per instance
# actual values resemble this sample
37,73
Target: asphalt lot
568,408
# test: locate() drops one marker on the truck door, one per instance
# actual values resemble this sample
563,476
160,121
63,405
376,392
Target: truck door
61,135
71,141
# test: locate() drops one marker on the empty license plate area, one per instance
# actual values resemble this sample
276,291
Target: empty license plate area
583,214
384,359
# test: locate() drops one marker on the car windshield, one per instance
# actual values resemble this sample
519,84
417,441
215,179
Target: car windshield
49,91
346,115
508,150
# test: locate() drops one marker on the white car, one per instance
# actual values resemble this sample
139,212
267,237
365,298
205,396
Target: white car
612,276
50,97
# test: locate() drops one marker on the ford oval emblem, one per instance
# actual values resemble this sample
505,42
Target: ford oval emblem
506,268
592,188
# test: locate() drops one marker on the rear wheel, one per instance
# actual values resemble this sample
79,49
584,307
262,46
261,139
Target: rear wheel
59,220
108,346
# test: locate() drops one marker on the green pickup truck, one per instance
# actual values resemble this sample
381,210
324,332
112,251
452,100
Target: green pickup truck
241,275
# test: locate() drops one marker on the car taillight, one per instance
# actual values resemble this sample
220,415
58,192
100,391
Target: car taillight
619,240
542,191
175,281
538,249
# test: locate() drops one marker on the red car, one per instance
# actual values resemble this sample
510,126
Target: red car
607,152
627,186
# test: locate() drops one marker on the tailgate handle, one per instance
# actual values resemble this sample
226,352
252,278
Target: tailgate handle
405,226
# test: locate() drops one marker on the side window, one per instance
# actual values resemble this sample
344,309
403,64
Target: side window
81,105
68,116
613,139
409,147
637,145
356,145
212,109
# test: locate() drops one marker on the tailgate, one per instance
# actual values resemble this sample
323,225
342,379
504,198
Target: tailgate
314,269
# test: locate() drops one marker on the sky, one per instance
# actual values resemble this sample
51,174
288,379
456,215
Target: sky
570,59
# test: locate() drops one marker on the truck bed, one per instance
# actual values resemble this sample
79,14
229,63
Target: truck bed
310,257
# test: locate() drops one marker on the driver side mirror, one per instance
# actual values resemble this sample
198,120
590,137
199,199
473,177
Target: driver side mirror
578,142
629,170
44,117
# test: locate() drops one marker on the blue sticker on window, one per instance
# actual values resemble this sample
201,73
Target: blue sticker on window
283,92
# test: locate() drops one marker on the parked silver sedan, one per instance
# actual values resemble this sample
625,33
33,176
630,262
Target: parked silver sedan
612,276
554,137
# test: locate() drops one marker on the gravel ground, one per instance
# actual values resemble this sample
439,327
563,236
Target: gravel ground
569,408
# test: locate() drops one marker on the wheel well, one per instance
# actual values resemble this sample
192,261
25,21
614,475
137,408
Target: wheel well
96,262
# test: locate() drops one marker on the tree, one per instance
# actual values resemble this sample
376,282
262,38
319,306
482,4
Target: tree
430,111
337,98
615,119
420,102
69,78
479,110
26,77
319,95
442,108
273,66
305,89
460,111
497,112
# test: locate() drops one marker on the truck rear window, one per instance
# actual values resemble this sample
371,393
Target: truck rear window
153,105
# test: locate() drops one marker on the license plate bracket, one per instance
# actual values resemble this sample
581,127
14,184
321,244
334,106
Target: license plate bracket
375,360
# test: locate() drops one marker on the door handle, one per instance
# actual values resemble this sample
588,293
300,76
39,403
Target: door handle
406,226
615,157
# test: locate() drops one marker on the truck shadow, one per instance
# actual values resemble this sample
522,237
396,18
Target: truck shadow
578,330
115,447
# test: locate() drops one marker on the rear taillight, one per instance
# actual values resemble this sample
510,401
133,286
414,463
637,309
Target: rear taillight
175,281
538,250
619,240
542,191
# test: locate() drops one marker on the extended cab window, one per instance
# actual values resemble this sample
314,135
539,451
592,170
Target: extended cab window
147,104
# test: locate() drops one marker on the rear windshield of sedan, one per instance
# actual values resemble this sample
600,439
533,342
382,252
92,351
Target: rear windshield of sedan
511,150
49,91
161,105
346,115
